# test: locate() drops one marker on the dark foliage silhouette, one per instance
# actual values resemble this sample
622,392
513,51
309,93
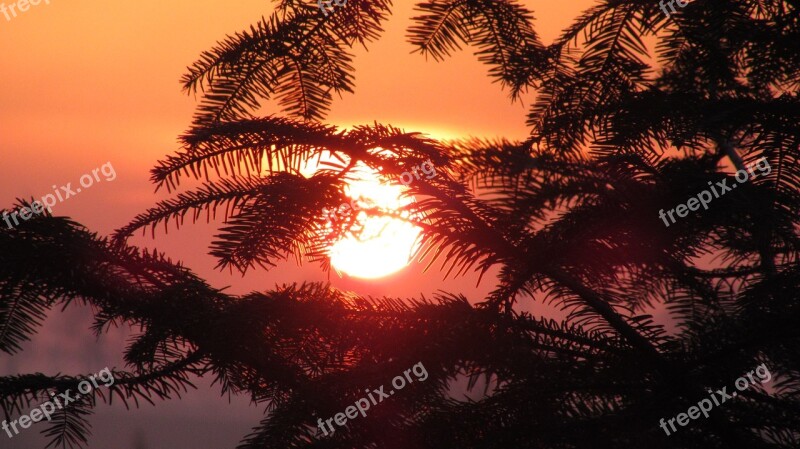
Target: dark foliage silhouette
634,112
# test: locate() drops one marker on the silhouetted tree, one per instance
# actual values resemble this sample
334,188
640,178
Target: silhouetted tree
635,112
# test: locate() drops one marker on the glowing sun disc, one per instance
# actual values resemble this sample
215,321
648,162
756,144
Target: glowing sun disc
385,245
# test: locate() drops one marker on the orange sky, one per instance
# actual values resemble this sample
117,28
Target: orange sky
85,82
88,82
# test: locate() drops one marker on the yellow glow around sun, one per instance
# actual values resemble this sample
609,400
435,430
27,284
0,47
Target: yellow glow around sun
385,245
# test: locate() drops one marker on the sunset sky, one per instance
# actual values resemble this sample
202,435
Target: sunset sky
86,82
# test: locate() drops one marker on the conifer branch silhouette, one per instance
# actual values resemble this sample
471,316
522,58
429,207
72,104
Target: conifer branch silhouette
653,315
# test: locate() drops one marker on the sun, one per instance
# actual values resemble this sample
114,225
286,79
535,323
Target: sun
385,245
